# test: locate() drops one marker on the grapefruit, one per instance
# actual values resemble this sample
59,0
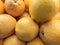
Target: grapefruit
26,29
50,32
13,40
36,41
7,25
43,10
14,7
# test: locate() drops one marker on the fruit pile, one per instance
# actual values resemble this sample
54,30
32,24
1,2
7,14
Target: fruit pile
29,22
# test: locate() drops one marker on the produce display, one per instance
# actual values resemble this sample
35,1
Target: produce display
29,22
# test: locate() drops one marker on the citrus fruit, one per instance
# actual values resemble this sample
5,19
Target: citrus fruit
57,16
14,7
1,41
1,7
43,10
36,41
27,3
59,5
7,25
50,32
13,40
25,14
26,29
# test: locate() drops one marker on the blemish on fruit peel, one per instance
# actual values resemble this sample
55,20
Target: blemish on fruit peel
42,33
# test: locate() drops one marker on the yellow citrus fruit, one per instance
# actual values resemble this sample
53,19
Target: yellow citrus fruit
7,25
57,16
36,41
43,10
13,40
25,14
26,29
1,7
50,32
14,7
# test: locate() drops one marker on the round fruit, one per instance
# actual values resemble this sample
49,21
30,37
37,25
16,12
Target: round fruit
57,16
43,10
25,14
1,7
7,25
59,4
14,7
36,41
1,42
13,40
50,32
27,3
26,29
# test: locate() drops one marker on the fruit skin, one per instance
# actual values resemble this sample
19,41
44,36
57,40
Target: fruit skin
50,32
27,3
3,0
14,7
7,25
25,14
59,5
43,10
1,7
26,29
57,16
1,41
36,41
13,40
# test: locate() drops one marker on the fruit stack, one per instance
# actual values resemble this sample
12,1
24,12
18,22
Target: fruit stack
29,22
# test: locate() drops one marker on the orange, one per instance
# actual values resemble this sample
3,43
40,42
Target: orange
26,29
36,41
7,25
27,3
14,7
13,40
1,42
50,32
1,7
43,10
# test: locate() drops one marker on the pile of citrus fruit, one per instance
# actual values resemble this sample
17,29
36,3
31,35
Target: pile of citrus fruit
29,22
